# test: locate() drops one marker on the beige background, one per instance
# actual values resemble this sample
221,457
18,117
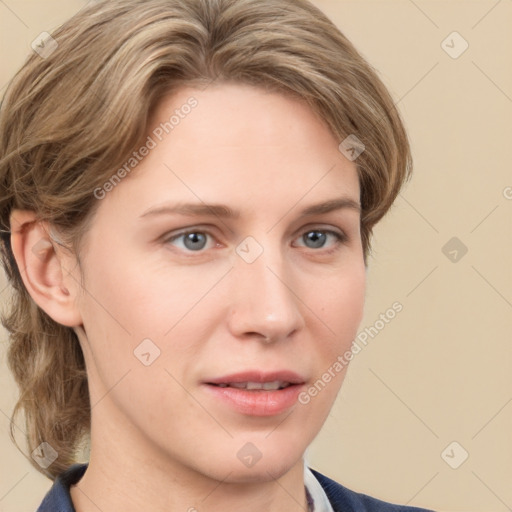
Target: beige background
441,371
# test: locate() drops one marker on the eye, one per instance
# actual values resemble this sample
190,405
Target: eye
194,241
197,240
317,238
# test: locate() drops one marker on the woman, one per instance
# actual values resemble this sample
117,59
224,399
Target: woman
140,129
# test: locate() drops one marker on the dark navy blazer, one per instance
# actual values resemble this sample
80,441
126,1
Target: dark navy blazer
58,498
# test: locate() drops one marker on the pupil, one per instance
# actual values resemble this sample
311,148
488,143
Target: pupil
192,239
317,238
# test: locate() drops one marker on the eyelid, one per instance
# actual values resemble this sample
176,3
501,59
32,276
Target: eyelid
173,235
328,228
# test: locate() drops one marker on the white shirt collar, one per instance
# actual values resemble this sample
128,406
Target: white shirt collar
316,491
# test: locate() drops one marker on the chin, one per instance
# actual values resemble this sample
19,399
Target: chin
261,472
267,463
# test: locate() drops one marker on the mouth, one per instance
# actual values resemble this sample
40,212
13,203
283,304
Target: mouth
255,386
257,393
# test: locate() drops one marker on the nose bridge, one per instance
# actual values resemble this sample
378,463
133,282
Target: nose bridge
263,300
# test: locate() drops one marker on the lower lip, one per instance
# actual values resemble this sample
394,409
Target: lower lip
258,402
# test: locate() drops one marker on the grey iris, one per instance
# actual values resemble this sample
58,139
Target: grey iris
317,237
194,241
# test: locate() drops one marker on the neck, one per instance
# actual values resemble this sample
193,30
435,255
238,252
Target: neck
126,474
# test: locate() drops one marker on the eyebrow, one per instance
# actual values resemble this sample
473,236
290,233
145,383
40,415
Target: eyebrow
225,212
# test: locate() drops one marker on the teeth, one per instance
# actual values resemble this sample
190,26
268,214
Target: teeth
272,385
267,386
238,385
254,385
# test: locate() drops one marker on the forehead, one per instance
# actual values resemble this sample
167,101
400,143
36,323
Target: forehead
238,144
241,113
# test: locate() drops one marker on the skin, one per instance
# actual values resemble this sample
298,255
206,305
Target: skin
159,441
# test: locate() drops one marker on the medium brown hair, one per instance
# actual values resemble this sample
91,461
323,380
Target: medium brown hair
70,118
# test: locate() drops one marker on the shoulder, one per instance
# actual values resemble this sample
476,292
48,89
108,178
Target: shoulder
343,499
58,498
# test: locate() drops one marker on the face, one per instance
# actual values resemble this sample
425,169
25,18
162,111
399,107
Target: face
208,325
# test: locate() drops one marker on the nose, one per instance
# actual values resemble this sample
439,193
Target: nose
264,305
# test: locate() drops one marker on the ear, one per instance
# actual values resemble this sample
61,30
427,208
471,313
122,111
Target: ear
45,268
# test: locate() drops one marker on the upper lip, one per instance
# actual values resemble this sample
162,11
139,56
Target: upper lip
260,377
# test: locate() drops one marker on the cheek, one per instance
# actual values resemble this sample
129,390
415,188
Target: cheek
339,311
139,312
339,304
142,298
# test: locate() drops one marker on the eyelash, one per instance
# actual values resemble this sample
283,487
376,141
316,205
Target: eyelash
340,239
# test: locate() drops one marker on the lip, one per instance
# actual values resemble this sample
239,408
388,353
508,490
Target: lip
259,376
257,402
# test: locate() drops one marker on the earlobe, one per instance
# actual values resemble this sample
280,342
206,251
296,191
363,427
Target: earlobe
44,268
